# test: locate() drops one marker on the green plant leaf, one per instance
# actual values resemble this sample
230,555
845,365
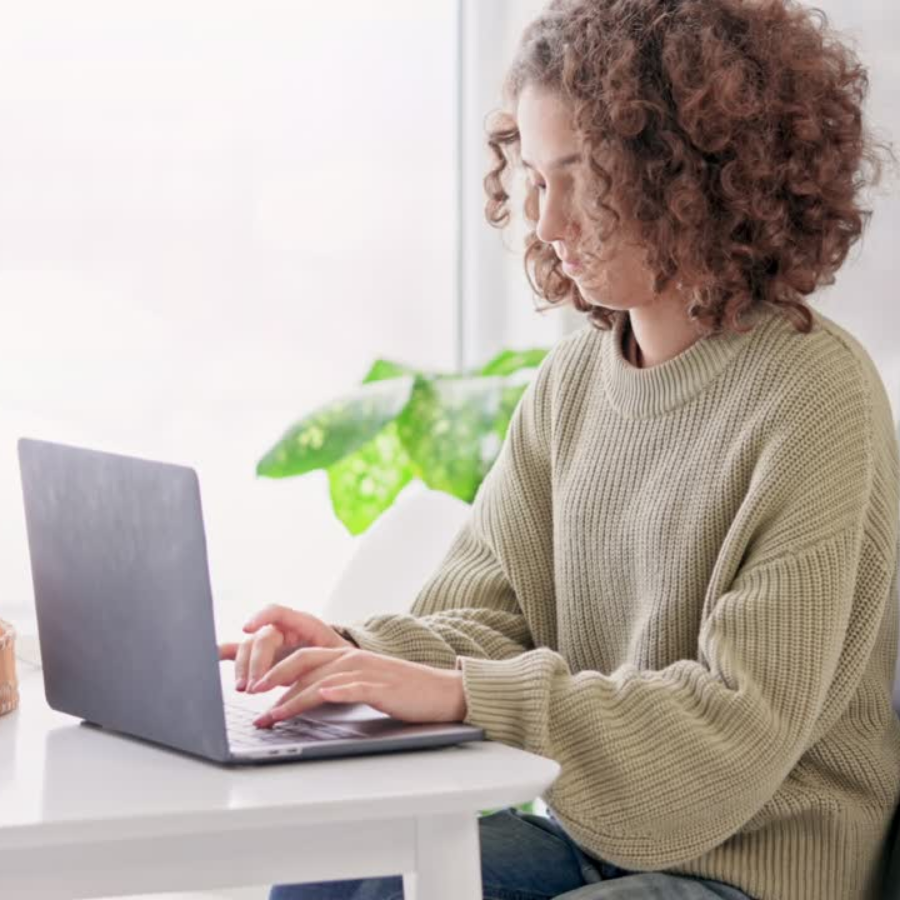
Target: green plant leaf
337,429
365,483
523,807
383,369
449,429
510,361
401,424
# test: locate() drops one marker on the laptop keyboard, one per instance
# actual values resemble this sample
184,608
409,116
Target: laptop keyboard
241,729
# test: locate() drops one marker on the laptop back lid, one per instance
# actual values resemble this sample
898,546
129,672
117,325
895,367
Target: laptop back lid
122,594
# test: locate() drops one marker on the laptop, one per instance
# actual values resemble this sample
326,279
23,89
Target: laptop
126,623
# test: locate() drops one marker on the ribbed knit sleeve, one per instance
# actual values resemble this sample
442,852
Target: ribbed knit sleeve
661,766
469,606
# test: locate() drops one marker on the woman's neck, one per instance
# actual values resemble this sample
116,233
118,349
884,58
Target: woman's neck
658,333
631,349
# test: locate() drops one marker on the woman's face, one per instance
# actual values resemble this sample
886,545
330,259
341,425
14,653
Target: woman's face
551,154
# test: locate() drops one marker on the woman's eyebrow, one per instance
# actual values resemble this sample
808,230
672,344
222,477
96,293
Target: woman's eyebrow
560,163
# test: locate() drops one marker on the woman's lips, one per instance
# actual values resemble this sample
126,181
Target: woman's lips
572,266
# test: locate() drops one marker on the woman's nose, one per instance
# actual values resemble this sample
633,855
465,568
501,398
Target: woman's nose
555,223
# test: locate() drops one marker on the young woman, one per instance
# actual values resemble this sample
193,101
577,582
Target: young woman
678,578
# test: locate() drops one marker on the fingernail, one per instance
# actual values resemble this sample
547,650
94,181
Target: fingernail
251,685
270,717
241,684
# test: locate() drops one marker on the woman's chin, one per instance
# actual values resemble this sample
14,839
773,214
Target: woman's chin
607,300
602,300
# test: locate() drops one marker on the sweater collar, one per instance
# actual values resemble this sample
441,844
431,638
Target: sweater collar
645,393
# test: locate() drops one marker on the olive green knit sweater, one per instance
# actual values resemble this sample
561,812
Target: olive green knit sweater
678,582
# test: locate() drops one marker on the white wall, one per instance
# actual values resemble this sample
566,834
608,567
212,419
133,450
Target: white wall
213,217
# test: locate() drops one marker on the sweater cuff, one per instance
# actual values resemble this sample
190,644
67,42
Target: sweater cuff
365,639
505,696
344,633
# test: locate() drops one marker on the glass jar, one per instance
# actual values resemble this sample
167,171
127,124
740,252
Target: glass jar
9,686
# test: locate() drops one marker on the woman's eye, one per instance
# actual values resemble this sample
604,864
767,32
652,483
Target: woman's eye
539,187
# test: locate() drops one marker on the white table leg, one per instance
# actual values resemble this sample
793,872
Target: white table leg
448,859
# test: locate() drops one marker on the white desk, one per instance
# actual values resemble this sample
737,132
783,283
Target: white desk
87,813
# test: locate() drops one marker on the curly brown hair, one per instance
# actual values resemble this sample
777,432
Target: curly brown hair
732,131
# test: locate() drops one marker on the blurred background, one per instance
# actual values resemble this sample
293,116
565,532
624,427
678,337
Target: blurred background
215,215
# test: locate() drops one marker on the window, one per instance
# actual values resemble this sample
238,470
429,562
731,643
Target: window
213,217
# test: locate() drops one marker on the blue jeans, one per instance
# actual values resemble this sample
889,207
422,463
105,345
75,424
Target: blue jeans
528,857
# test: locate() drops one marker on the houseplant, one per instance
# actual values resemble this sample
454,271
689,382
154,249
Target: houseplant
402,424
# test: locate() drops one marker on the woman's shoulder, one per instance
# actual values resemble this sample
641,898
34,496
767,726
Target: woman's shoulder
582,335
566,367
848,349
831,363
578,345
819,396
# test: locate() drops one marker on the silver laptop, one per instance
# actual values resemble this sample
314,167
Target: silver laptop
126,624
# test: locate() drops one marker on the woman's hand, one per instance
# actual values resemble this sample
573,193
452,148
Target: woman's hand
277,632
405,690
